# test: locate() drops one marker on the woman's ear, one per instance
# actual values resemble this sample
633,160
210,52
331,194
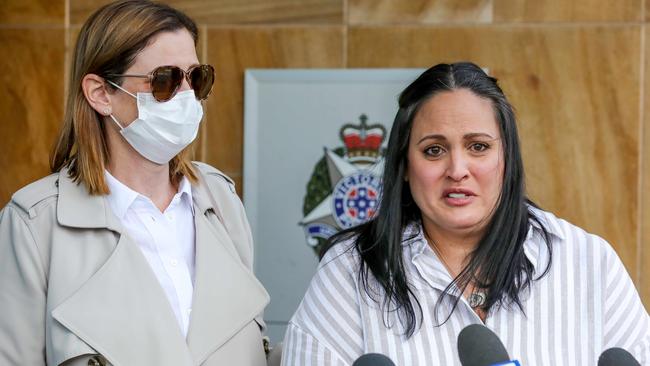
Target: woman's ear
94,89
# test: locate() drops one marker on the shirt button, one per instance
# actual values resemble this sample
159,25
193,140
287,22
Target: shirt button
173,262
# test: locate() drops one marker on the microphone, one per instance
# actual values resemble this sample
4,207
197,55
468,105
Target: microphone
373,359
617,357
479,346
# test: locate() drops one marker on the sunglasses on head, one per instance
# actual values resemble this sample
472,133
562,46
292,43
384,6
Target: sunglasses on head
165,80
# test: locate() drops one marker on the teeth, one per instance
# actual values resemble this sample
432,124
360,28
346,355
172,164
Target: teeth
457,195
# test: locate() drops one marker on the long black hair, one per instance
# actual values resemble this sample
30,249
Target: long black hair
498,265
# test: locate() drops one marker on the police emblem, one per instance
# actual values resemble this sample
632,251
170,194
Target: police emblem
345,186
355,199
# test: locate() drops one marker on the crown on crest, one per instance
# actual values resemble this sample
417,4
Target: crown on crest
363,142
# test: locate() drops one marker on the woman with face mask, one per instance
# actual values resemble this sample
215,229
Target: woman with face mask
130,254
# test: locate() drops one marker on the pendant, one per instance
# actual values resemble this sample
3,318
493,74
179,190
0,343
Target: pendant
477,299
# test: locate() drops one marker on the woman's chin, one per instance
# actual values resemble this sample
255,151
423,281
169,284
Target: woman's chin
463,226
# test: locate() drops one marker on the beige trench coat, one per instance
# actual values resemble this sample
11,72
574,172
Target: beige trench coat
74,290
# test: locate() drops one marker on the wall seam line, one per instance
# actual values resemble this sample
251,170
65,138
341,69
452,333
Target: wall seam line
434,25
203,149
345,32
641,180
66,51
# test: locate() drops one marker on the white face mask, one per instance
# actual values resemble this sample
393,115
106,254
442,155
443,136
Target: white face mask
162,130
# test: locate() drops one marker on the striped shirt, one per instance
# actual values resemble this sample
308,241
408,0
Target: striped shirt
585,304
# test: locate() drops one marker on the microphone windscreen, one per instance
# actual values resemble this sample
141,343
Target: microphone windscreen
617,356
373,359
479,346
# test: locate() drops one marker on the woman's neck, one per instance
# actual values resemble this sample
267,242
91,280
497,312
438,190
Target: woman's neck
453,249
141,175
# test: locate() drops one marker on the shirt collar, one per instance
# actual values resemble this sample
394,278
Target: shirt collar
122,197
535,248
185,191
426,263
550,222
413,236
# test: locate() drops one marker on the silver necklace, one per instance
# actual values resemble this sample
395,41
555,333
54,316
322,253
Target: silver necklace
477,299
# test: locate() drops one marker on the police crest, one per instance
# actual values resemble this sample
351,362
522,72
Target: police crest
345,186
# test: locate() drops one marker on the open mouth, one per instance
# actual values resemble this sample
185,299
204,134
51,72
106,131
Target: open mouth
457,195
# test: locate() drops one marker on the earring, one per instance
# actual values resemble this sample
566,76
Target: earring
107,111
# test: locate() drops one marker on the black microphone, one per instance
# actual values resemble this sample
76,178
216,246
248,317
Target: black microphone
373,359
617,357
479,346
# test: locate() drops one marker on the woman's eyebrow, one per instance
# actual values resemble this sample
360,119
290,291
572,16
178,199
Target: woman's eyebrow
468,136
474,135
431,137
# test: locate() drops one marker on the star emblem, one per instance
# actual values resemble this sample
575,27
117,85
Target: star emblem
355,207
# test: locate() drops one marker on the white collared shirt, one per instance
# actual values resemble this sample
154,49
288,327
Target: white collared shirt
585,304
165,238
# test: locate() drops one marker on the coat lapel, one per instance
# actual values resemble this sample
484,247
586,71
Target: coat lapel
121,311
226,294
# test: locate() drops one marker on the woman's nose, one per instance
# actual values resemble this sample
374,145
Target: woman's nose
185,85
458,167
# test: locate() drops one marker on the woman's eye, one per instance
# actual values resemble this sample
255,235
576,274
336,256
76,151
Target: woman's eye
479,147
433,151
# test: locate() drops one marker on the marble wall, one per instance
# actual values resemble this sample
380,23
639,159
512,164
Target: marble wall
575,71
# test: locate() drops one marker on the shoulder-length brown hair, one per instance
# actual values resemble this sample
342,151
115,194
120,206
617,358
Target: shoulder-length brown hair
108,43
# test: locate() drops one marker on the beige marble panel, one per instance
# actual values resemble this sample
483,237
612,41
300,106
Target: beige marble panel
71,34
576,90
237,11
50,12
419,11
237,178
232,51
31,106
644,283
568,11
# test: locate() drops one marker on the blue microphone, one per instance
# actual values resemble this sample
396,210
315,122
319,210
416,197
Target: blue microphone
479,346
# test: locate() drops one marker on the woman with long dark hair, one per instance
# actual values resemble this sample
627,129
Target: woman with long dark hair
456,242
